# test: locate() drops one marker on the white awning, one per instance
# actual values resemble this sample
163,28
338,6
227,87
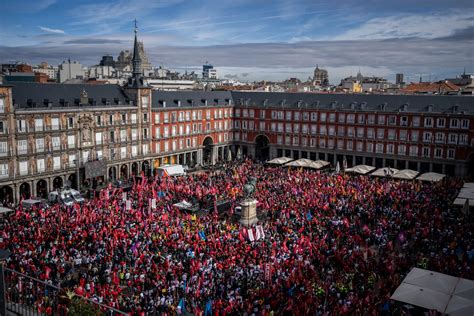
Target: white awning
431,176
280,160
4,210
405,174
434,290
384,172
307,163
360,169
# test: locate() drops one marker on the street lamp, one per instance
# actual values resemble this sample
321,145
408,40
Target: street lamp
4,254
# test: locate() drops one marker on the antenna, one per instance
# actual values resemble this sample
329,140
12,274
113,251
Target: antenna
136,27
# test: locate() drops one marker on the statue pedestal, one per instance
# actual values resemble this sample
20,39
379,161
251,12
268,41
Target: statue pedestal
249,212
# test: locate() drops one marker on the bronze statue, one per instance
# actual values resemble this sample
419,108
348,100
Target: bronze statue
250,188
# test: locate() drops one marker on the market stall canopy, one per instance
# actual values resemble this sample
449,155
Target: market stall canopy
5,210
307,163
384,172
437,291
466,195
360,169
280,161
431,177
405,174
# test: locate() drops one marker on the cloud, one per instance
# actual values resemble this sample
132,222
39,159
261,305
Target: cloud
91,41
410,26
50,30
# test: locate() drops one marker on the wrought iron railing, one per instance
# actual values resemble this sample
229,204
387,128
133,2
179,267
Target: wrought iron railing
26,295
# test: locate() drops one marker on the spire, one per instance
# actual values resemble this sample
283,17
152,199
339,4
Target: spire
136,61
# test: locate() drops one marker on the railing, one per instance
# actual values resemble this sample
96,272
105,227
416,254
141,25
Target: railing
25,295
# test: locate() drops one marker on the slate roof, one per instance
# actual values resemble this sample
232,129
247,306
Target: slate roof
366,102
29,95
190,98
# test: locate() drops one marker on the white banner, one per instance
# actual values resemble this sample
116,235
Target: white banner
124,196
153,204
128,206
260,230
250,233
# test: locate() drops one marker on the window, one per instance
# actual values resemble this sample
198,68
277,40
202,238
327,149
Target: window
426,152
296,128
341,131
295,140
312,142
124,118
123,152
2,105
39,145
453,138
390,149
403,134
22,146
370,147
314,116
71,141
98,138
414,151
380,133
392,120
70,122
134,118
145,117
188,116
414,135
40,166
297,116
451,153
360,132
440,137
391,134
381,120
440,122
262,114
3,148
23,167
360,146
404,121
438,153
173,117
304,128
134,150
427,137
21,126
322,143
194,115
181,117
56,140
379,148
342,118
350,131
98,120
361,118
416,121
55,123
261,126
3,170
462,139
351,118
332,117
314,129
145,101
454,123
166,117
280,127
208,114
72,157
371,119
340,144
350,145
123,135
322,117
428,122
370,133
464,123
322,130
288,115
38,124
402,149
2,129
332,130
199,115
56,163
111,119
306,116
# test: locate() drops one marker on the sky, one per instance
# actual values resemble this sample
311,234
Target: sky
250,39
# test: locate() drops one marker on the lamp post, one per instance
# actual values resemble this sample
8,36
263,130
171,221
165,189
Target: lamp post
4,254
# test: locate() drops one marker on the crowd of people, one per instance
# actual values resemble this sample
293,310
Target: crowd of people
331,243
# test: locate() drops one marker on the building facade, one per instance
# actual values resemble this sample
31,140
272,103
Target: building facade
52,133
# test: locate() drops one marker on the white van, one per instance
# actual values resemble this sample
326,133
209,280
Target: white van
171,170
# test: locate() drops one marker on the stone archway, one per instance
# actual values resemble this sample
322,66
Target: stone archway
42,189
25,191
6,195
57,183
146,168
124,172
207,152
262,148
135,169
112,173
73,180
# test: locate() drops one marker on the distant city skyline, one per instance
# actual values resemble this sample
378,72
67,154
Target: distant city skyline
250,40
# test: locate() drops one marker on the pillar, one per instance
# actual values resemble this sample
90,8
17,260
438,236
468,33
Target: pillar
431,167
199,156
33,188
16,193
